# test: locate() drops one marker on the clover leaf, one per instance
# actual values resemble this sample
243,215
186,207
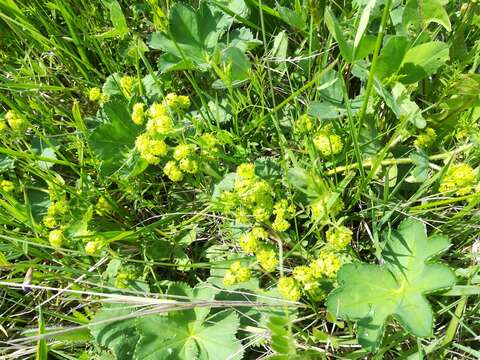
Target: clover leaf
370,294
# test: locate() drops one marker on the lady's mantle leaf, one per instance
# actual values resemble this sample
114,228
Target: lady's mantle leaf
189,334
113,141
371,294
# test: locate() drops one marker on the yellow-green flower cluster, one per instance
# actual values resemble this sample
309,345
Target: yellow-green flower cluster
325,206
250,241
93,247
304,124
184,155
283,211
327,264
126,84
150,149
305,277
425,139
267,258
103,206
236,274
177,102
339,237
459,178
55,212
95,94
6,185
327,142
289,289
15,121
55,238
123,278
172,171
138,113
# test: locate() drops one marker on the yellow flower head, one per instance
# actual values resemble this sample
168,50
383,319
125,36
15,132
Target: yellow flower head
55,237
460,177
93,247
157,110
208,140
95,94
280,224
246,171
15,121
261,214
303,274
7,185
3,125
327,265
160,125
50,221
248,242
267,259
138,113
172,171
328,143
150,149
321,208
283,209
236,274
259,233
182,151
425,139
188,165
339,237
304,124
177,102
127,83
289,289
103,206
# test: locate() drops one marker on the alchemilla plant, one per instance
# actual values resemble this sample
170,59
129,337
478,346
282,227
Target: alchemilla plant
240,179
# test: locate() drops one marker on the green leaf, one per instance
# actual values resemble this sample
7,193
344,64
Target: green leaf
189,334
371,294
111,329
362,25
192,35
120,27
429,11
293,19
406,107
113,141
391,57
423,60
337,32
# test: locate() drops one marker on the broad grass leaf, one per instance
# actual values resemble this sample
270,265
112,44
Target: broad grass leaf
423,60
113,141
362,25
120,27
425,12
371,294
337,32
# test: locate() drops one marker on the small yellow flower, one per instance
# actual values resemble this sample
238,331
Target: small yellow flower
157,110
321,208
15,121
162,125
229,278
460,177
261,214
172,171
103,206
280,224
303,274
283,209
95,94
58,208
55,237
93,247
242,216
289,289
138,113
339,237
248,242
267,259
150,149
127,83
50,221
3,125
236,274
182,151
425,139
304,124
327,265
188,165
328,143
177,102
259,233
246,171
208,141
7,185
